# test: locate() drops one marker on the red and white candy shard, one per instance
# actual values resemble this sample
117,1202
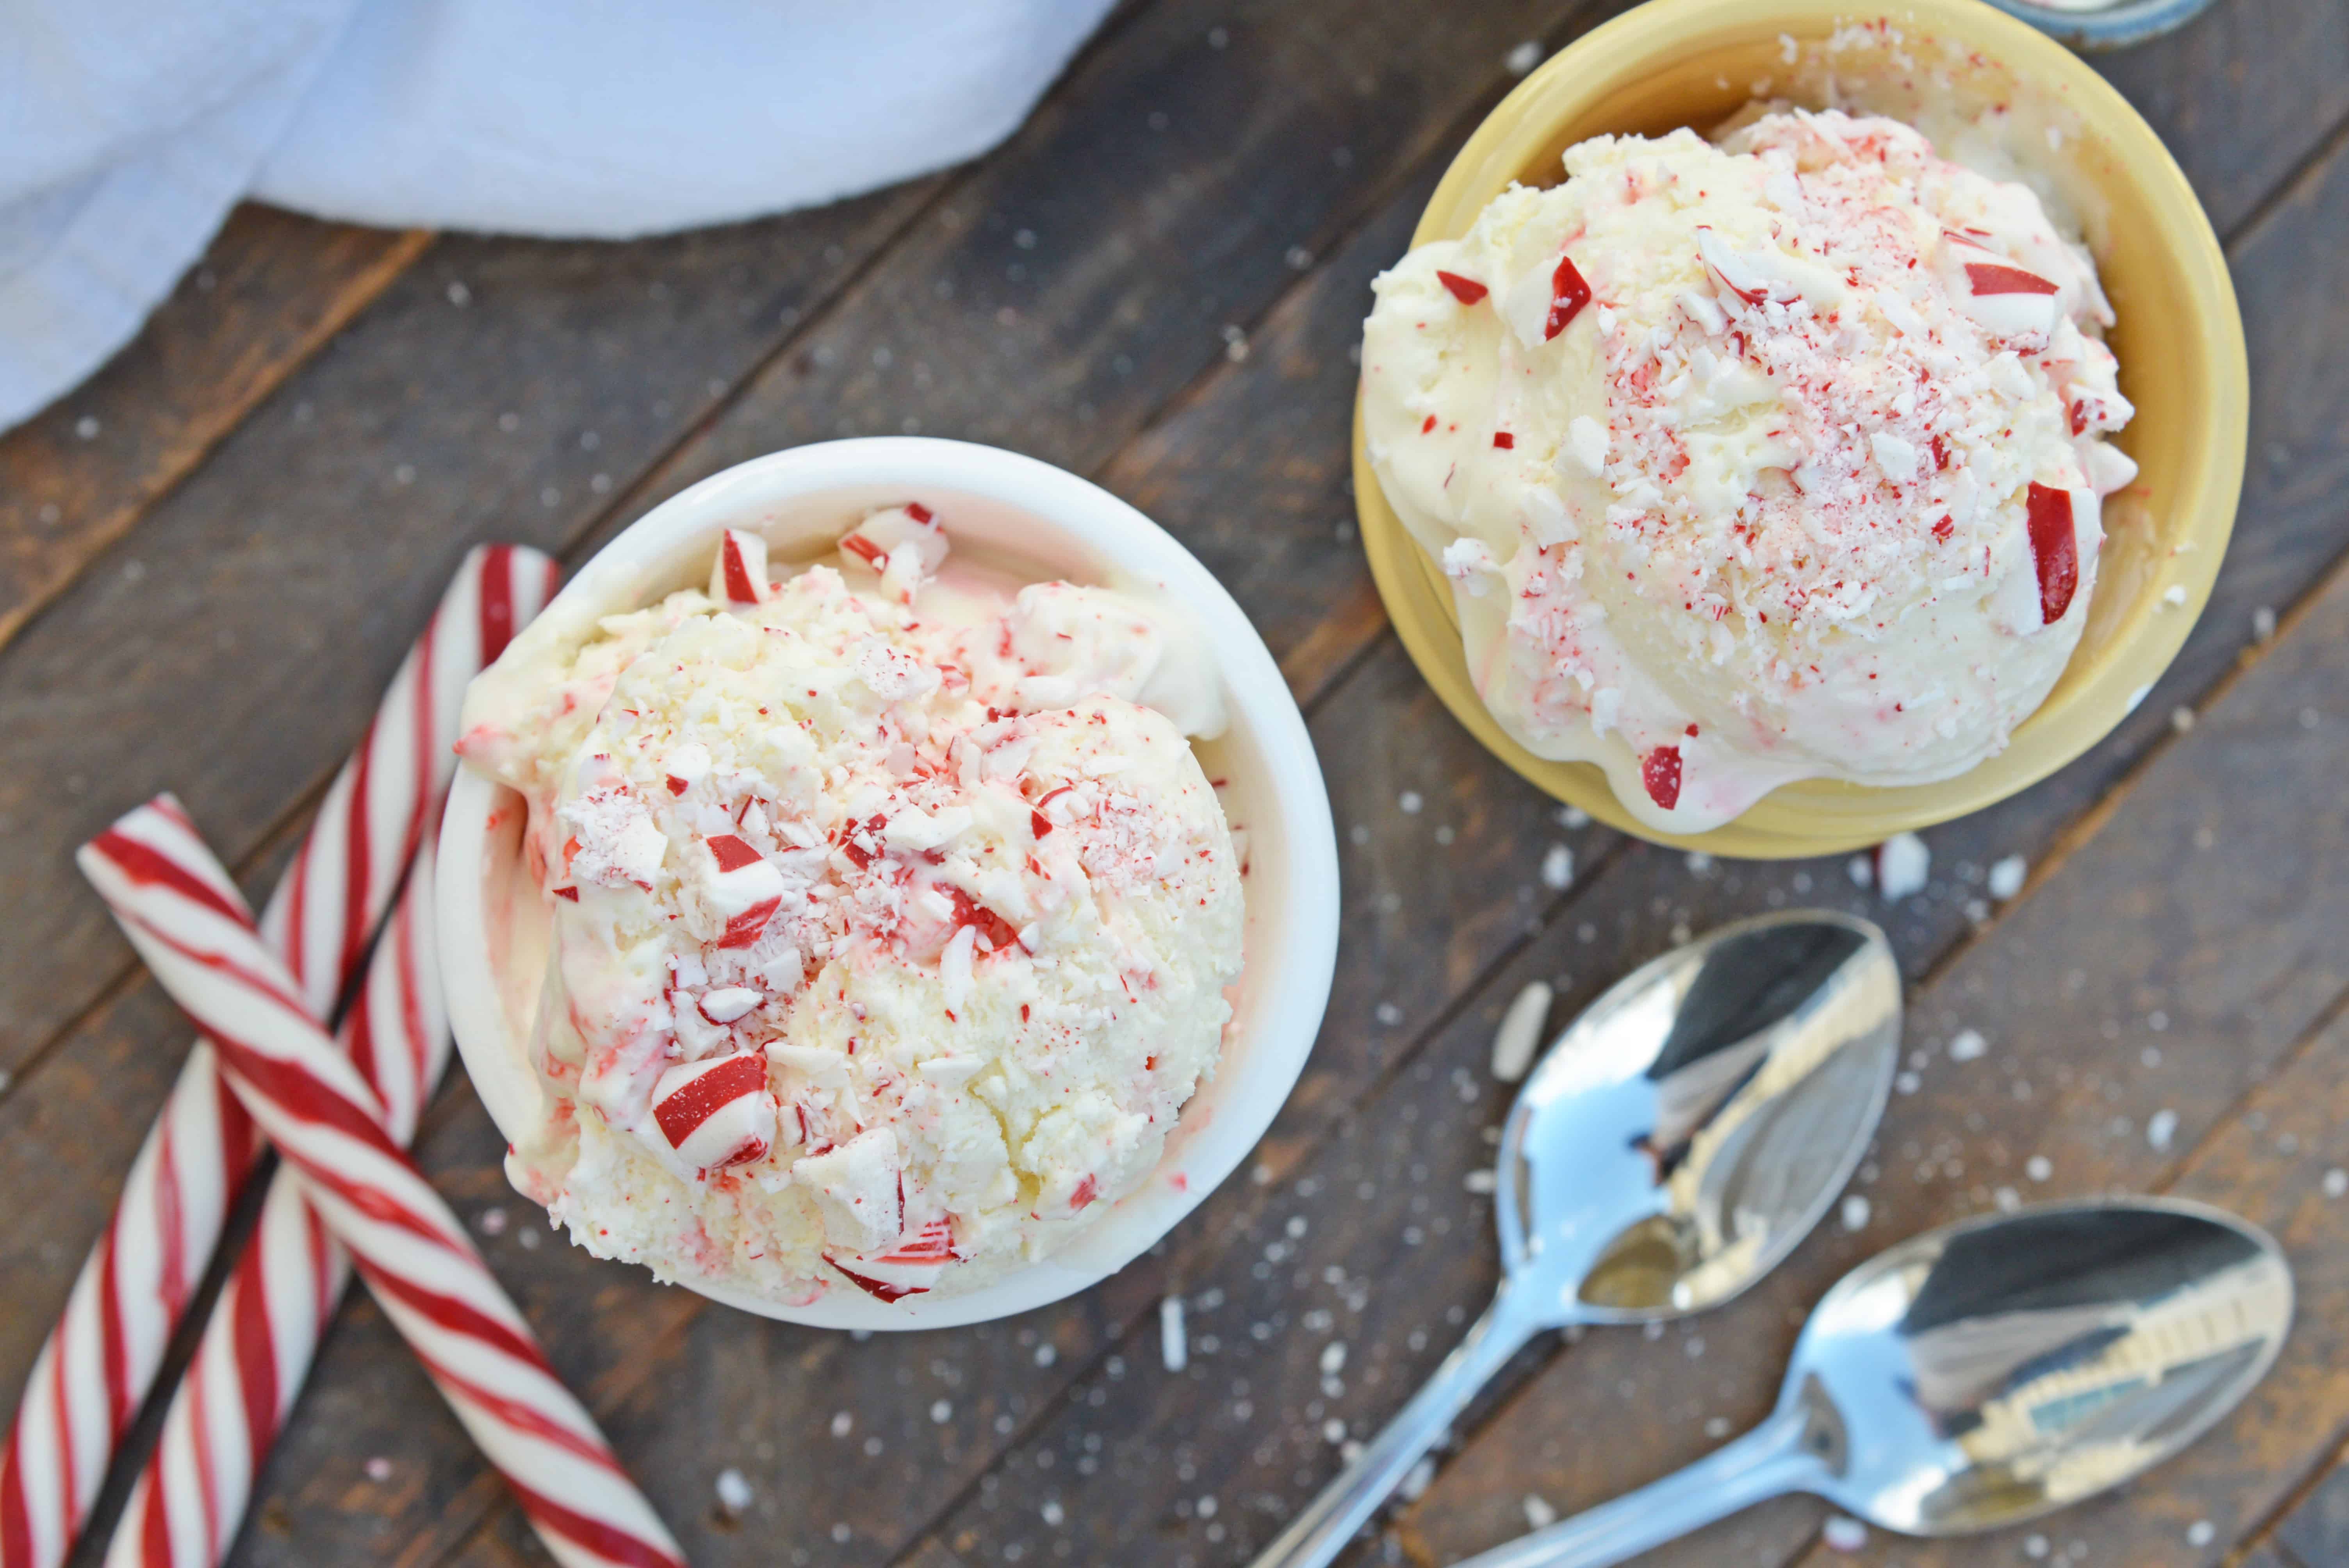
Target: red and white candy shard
717,1112
2003,299
908,1268
904,544
860,1190
740,886
739,575
2054,550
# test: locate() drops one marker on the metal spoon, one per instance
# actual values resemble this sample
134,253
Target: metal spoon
1983,1374
1673,1146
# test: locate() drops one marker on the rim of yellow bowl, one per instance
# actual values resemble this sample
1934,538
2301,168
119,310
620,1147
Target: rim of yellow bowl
2194,512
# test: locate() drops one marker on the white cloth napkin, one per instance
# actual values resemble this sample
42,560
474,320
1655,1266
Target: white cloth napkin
128,128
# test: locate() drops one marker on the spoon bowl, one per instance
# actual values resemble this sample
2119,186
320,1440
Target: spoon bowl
1685,1132
1983,1374
1670,1149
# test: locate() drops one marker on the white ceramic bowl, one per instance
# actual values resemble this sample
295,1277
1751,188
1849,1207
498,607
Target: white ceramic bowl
492,922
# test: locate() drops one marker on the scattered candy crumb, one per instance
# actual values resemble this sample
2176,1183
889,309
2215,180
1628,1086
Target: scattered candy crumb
1538,1512
1173,1341
1903,866
378,1470
1968,1045
1844,1534
733,1491
1856,1208
2007,877
1520,1036
1558,868
2161,1127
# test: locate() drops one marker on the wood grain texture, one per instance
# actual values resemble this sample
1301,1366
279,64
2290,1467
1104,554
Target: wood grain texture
270,291
2176,959
2268,1162
231,648
1097,342
2317,1530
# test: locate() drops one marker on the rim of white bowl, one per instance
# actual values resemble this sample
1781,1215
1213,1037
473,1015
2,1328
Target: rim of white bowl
1298,956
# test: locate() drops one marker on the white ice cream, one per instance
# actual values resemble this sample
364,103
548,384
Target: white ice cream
894,914
1757,461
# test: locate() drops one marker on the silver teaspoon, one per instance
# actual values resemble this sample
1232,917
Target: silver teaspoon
1983,1374
1673,1146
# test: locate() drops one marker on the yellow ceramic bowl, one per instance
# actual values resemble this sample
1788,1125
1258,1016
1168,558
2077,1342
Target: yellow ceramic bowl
2179,342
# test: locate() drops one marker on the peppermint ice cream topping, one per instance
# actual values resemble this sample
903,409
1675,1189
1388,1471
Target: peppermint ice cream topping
894,915
1810,489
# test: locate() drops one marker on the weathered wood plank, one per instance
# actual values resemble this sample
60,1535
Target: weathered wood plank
2165,968
2317,1530
2240,96
1111,255
233,646
270,291
2269,1163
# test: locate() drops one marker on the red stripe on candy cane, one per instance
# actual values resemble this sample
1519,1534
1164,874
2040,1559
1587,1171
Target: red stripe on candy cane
328,1124
101,1358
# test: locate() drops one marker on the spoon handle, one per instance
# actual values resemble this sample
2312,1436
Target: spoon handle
1768,1461
1347,1503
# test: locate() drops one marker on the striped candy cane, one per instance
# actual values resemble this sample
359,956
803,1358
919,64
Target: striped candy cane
101,1358
183,913
257,1347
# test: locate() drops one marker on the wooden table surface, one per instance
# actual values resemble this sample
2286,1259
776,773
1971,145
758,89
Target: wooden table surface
213,554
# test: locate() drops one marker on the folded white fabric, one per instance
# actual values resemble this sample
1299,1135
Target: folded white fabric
128,128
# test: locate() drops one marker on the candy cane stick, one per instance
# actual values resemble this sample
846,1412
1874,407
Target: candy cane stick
183,913
256,1349
99,1360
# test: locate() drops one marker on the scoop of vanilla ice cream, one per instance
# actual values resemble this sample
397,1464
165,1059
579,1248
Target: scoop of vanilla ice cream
893,913
1772,459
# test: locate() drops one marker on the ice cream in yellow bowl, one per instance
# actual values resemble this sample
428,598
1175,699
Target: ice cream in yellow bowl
1770,489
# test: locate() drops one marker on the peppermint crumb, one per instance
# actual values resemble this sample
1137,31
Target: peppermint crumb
459,294
492,1222
2160,1128
1538,1512
1572,818
1520,1036
1862,870
2007,877
1968,1045
1844,1534
2007,1200
1333,1431
1698,862
2263,623
1053,1513
2201,1532
1856,1208
733,1491
1174,1343
2336,1182
1717,1427
1482,1181
842,1423
2034,1547
86,427
1416,1480
1389,1015
378,1470
2038,1168
530,1238
1903,865
2181,718
1558,868
1521,60
941,1412
1409,802
1046,1354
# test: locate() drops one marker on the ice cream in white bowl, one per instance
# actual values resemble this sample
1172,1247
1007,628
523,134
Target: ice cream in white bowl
939,1031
